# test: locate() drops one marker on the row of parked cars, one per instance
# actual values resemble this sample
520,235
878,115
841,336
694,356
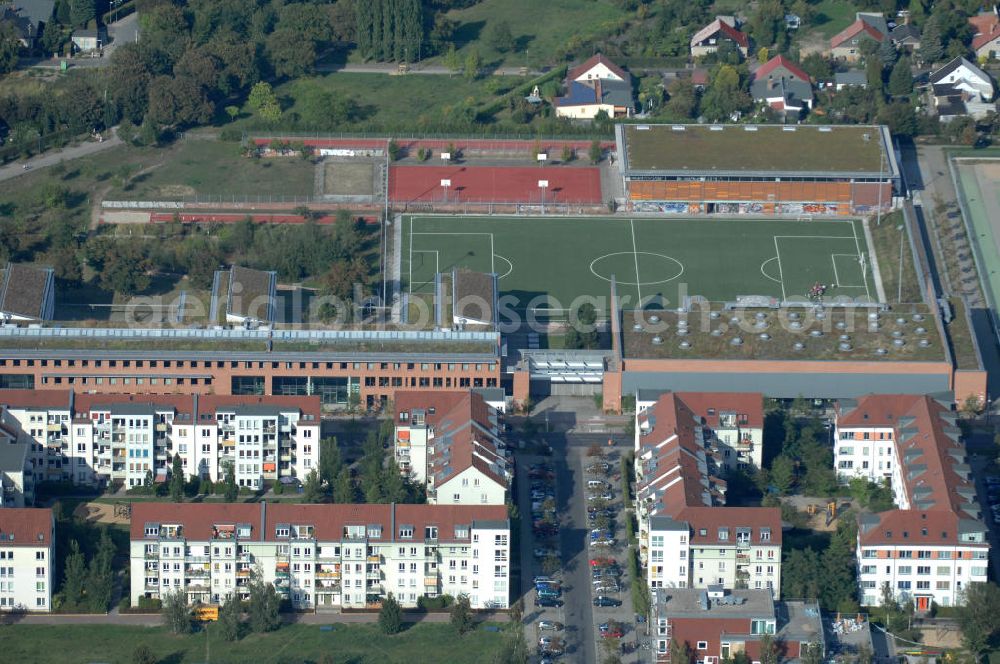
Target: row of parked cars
548,590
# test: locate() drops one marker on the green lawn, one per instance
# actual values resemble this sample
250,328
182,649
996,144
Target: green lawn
887,236
540,29
354,644
412,101
832,16
208,168
562,258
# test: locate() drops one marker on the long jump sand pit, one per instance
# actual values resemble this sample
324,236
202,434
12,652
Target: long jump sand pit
345,178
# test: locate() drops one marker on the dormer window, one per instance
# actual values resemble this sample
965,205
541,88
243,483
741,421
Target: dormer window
281,531
406,532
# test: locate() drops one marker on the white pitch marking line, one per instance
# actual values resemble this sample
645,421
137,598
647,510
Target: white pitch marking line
411,257
635,255
493,257
836,277
857,244
852,257
781,273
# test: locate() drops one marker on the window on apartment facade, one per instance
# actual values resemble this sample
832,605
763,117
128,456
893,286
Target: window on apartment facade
703,645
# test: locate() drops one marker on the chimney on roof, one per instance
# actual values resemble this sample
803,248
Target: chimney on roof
263,519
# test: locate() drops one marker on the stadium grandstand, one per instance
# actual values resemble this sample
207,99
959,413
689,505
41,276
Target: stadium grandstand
750,169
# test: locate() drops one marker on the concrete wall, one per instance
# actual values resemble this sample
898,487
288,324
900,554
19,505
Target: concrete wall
788,384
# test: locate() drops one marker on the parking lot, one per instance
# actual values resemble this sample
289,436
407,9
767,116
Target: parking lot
573,534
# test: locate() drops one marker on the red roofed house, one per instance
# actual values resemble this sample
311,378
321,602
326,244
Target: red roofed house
723,28
321,556
451,441
986,39
596,85
846,44
688,537
782,85
716,624
27,552
934,544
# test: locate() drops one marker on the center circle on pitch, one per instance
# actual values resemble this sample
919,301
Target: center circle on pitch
653,269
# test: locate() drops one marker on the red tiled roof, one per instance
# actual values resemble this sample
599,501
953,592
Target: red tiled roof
713,518
178,403
920,439
780,61
461,418
908,527
678,472
30,526
199,520
852,30
50,399
750,404
306,405
718,25
987,27
595,60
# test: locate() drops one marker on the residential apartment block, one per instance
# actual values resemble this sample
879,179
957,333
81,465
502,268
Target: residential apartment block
16,477
717,624
935,543
322,556
451,441
688,537
27,547
94,439
732,424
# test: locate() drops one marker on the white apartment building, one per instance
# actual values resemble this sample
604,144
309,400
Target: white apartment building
935,543
688,538
99,438
322,556
451,441
27,547
732,423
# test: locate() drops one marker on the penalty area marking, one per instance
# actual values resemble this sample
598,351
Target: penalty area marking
764,272
510,265
635,255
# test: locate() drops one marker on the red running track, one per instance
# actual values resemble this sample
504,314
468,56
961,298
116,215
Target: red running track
488,184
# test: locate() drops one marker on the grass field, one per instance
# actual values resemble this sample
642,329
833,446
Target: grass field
214,168
540,29
392,101
832,16
654,261
354,644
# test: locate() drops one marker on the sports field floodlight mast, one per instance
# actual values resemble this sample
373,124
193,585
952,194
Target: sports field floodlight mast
542,186
444,185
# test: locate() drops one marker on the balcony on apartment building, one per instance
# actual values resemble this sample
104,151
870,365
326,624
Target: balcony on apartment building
197,572
198,586
281,570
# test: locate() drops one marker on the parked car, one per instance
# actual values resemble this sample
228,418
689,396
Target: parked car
601,562
542,579
611,630
544,553
598,467
548,602
604,600
550,626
